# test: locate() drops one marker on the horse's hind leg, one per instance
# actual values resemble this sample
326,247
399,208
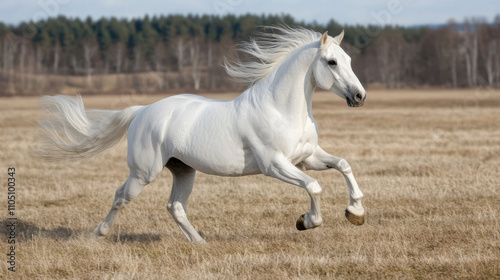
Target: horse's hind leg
124,194
181,189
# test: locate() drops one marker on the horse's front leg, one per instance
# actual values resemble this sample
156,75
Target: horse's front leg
281,168
321,160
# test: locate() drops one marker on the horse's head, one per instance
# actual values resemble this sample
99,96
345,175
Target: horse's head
332,71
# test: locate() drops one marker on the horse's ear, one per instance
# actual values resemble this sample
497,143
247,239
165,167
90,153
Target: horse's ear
324,38
339,38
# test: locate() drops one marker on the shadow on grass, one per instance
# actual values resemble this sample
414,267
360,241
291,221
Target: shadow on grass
131,237
27,231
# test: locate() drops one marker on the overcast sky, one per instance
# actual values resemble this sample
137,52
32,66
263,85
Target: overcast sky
400,12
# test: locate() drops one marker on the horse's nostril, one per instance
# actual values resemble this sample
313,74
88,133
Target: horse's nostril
359,97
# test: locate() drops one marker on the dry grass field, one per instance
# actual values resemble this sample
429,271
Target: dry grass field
428,163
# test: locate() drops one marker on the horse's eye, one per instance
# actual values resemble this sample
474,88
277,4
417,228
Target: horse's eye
332,62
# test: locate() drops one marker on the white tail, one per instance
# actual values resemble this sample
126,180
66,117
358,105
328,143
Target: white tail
76,133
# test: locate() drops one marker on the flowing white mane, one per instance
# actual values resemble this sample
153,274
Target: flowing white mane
271,49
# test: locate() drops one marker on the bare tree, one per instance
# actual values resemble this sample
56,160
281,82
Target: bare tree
5,58
30,68
210,63
119,58
137,59
488,47
453,67
57,50
453,51
470,49
89,50
21,68
489,53
383,59
496,38
11,45
179,49
118,63
1,56
496,76
38,59
74,64
161,71
389,58
447,48
194,50
8,55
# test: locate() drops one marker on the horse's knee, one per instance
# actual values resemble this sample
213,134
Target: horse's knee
133,188
130,195
119,191
314,188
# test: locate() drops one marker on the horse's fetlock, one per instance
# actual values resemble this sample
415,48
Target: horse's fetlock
316,221
357,196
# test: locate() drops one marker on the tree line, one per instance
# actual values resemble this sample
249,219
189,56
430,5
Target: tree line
177,52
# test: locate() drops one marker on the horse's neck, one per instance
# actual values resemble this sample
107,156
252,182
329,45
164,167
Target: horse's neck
289,87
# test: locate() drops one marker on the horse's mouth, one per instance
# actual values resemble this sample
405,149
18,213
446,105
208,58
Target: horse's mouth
352,103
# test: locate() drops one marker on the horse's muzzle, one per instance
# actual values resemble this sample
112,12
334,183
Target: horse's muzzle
351,103
357,100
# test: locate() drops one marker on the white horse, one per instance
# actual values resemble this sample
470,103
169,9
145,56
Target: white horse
269,129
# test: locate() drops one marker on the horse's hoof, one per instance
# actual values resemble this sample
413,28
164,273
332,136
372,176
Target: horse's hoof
101,230
355,220
300,223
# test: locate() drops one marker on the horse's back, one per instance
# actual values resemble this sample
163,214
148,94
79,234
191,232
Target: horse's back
203,133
